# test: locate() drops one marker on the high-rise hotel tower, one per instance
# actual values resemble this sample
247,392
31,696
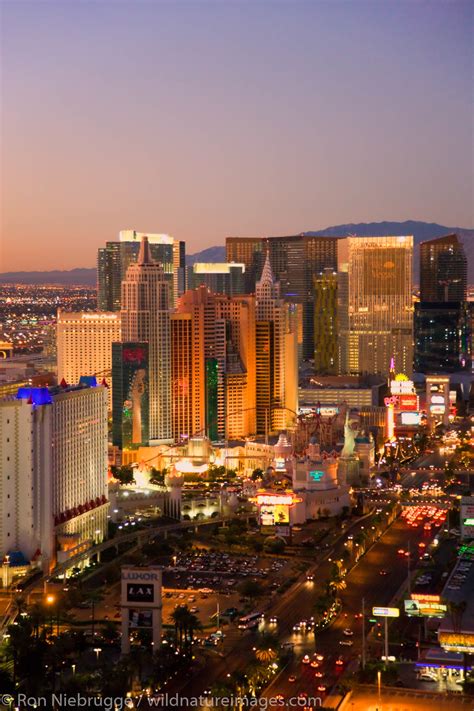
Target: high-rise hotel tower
145,318
375,310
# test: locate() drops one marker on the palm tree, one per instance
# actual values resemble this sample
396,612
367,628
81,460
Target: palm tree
185,624
266,656
257,674
337,584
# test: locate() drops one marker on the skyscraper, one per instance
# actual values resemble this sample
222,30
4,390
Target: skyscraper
295,260
276,356
375,312
115,257
84,344
250,252
145,318
442,337
443,270
187,375
442,316
220,277
54,471
325,323
223,382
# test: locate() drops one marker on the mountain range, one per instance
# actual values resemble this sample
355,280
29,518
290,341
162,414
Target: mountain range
420,230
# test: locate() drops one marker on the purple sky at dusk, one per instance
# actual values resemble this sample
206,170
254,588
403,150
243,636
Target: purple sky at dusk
205,119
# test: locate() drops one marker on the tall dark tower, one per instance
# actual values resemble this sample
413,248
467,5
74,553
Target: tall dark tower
442,317
443,270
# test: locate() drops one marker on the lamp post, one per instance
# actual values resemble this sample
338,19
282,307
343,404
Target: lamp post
50,600
97,651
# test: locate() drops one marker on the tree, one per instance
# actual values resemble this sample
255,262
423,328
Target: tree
274,544
185,624
125,474
250,589
256,474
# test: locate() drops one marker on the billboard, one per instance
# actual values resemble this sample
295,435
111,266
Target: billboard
140,602
410,418
408,402
140,618
130,398
385,612
424,608
467,517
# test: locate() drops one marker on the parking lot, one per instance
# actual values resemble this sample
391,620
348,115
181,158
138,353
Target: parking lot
224,571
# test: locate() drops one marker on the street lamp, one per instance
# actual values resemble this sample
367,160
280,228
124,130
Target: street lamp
97,650
50,600
73,667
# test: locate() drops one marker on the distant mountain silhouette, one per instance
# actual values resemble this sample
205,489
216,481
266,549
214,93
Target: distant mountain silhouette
211,254
420,230
80,277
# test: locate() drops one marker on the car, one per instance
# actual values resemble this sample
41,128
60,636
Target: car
346,642
318,675
310,578
383,572
273,620
339,662
320,657
314,664
321,687
347,632
424,676
194,610
292,679
305,659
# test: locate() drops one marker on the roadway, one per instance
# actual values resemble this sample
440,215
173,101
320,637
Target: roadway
291,607
364,581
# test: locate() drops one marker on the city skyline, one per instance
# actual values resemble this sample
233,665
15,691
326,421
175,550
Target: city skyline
192,136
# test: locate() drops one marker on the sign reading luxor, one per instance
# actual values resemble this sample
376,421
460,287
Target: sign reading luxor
141,602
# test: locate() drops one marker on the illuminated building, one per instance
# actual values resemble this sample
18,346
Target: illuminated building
84,344
249,251
442,337
130,410
443,316
6,350
276,356
145,318
325,323
54,471
295,260
437,400
224,382
443,270
187,376
115,258
375,313
221,278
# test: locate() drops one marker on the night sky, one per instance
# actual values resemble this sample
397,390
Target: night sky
206,119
